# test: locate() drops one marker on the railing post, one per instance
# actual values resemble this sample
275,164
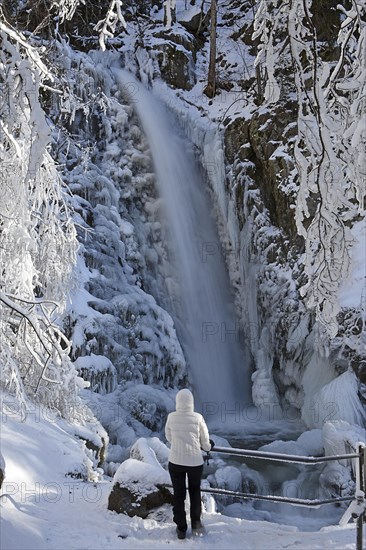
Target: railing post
359,532
361,482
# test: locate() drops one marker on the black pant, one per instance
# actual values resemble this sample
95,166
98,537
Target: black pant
178,475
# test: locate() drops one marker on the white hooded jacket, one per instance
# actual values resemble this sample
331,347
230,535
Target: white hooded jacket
187,432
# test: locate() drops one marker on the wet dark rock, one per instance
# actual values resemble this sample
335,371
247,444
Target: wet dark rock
257,140
176,66
197,24
124,500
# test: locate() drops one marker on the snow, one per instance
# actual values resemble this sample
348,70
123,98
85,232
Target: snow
331,398
140,476
353,290
97,363
152,451
43,508
309,443
187,15
339,436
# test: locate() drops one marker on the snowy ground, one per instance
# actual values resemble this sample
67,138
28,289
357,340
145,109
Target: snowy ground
46,509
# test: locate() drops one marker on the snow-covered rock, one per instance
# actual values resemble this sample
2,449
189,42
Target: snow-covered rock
138,484
193,19
309,443
138,488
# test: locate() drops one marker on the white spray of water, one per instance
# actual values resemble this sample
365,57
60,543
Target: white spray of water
208,331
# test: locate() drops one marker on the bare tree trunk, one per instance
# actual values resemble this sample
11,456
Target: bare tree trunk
169,13
210,89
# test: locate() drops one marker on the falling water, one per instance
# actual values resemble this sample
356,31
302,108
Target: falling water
218,368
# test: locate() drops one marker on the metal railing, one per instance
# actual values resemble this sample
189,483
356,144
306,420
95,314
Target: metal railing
357,508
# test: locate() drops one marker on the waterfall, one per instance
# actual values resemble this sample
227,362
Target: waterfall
207,327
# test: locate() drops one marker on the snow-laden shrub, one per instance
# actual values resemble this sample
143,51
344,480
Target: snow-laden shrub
226,477
229,478
336,481
147,405
99,371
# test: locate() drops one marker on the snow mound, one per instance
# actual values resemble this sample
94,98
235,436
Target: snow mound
341,438
140,477
339,400
309,443
151,450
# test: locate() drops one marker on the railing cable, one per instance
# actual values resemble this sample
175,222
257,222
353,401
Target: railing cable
280,457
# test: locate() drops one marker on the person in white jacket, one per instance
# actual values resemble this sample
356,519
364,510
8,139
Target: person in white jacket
187,434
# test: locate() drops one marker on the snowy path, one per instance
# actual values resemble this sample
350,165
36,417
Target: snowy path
47,510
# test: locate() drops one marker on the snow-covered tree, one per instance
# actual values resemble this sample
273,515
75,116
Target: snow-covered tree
329,150
37,236
265,28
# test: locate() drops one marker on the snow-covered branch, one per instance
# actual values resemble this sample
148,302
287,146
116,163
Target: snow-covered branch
66,8
327,181
31,52
32,336
107,27
265,27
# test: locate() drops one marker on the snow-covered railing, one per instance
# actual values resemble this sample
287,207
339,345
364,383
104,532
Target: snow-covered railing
248,453
275,498
356,509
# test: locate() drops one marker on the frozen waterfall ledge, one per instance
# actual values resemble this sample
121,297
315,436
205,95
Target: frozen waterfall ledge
337,400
